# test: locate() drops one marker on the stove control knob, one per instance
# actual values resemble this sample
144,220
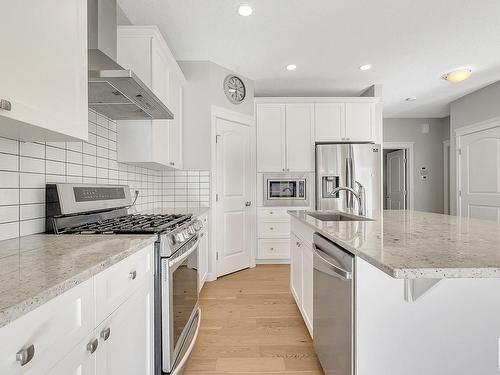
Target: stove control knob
191,229
179,237
197,225
185,233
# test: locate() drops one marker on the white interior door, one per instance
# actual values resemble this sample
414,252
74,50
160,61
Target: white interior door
396,180
479,194
233,191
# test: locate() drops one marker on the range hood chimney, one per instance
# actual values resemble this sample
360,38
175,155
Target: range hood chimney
115,92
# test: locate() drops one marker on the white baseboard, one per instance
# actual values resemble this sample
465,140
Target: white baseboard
272,261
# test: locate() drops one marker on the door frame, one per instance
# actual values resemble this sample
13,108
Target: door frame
408,146
245,120
459,133
446,176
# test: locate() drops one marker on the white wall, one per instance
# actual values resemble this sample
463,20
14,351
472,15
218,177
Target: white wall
203,89
428,152
478,106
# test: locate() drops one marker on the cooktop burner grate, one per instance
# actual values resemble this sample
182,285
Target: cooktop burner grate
131,224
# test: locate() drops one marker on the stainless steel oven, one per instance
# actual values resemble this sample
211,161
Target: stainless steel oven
179,302
286,189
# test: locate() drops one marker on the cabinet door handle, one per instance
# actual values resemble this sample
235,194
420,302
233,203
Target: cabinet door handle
92,346
271,228
105,333
132,275
5,105
25,355
271,248
172,163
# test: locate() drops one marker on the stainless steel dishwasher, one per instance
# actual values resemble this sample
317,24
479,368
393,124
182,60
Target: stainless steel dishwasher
333,312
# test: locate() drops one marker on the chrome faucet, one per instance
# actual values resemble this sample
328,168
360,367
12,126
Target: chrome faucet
360,195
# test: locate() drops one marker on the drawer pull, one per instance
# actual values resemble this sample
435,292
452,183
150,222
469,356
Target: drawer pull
5,105
271,248
25,355
271,212
92,346
105,334
271,228
132,275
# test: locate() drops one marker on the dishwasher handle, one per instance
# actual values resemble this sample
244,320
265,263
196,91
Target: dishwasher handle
338,271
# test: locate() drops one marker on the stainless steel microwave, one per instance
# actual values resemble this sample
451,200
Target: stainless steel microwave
286,189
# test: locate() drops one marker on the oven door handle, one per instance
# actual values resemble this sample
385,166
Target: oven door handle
174,262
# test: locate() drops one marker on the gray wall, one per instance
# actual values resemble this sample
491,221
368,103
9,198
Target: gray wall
478,106
204,88
427,151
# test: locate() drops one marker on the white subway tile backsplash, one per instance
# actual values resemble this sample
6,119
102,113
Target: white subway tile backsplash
34,150
9,146
31,165
9,230
9,214
9,197
9,162
32,196
25,168
31,227
32,211
55,153
32,180
9,180
55,167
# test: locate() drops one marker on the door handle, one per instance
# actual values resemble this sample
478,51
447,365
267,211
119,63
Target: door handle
92,346
248,203
25,355
105,333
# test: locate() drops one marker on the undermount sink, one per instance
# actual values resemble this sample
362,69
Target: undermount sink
337,216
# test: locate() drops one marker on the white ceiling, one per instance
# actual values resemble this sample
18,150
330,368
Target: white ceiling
410,44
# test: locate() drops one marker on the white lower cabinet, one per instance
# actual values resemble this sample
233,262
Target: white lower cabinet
125,341
63,337
301,273
273,234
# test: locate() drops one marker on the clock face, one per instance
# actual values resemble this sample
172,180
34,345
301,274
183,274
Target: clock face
234,89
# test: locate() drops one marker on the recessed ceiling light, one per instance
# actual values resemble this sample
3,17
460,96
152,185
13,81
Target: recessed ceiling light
411,99
291,67
245,10
458,75
365,67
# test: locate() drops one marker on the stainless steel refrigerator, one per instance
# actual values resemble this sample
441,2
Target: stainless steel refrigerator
350,165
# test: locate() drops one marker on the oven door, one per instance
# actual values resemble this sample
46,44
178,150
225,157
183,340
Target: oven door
179,291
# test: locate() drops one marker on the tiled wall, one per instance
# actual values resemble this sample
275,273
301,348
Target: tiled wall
25,168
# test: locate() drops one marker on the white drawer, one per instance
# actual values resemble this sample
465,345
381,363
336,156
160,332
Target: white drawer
114,285
273,228
272,212
274,249
52,329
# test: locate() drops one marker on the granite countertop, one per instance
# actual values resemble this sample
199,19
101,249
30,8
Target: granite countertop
37,268
413,244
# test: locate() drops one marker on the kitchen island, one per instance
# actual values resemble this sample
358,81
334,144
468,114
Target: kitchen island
425,290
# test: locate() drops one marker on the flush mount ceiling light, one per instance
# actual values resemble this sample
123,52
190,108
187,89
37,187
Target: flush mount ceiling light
291,67
245,10
411,99
458,75
365,67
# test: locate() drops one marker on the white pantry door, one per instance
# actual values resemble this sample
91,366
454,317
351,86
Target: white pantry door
233,191
479,195
396,180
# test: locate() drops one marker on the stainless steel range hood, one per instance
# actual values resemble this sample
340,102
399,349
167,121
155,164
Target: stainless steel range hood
115,92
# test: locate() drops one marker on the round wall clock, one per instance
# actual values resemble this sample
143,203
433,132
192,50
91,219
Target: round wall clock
234,89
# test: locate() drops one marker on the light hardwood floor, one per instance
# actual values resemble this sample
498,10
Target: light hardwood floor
251,325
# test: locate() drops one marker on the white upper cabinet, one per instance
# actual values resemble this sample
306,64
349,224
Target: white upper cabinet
345,122
270,137
299,137
152,143
285,141
329,121
43,70
359,122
